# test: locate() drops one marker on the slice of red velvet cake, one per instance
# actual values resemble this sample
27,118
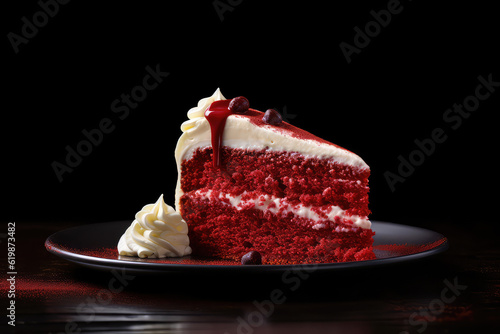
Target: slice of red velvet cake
249,182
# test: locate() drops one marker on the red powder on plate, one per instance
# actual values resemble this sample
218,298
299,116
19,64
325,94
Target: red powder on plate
384,251
112,254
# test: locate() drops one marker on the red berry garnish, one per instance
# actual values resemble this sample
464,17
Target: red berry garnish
252,257
272,117
239,105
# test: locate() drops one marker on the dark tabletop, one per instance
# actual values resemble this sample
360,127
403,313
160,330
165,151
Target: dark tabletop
457,291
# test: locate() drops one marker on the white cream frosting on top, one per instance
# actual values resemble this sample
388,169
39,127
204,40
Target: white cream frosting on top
199,111
158,231
240,132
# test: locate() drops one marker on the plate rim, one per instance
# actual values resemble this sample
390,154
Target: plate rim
149,267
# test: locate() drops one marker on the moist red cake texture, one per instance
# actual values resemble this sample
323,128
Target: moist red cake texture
241,200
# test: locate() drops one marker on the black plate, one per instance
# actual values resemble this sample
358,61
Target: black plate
94,246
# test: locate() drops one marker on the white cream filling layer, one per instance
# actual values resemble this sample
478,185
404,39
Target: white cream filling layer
281,206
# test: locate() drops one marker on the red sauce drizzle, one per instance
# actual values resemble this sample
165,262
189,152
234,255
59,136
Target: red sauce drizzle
216,116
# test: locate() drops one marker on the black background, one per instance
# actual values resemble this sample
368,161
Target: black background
278,54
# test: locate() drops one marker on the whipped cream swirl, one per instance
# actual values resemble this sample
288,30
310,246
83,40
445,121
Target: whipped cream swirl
158,231
194,114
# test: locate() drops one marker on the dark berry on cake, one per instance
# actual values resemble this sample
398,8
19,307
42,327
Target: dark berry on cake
239,105
272,117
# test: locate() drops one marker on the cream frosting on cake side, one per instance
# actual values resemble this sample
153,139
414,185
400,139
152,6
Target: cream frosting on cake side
240,132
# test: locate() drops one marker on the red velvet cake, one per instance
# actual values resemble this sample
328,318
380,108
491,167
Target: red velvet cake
250,182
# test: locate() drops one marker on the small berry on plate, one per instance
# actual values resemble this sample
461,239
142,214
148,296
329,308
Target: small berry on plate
252,257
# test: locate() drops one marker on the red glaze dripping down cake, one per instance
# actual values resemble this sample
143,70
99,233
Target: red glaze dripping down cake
253,183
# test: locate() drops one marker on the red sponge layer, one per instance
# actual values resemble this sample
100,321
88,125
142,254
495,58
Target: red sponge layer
217,229
309,181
